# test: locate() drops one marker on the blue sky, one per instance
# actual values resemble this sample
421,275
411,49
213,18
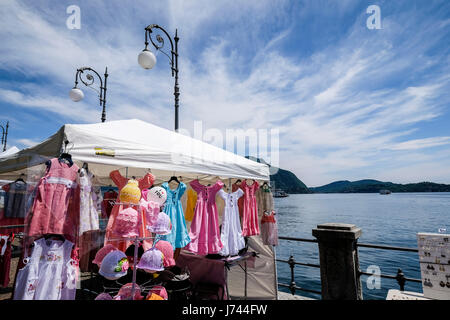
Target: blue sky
350,103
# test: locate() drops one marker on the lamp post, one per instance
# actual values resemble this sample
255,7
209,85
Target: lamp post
4,135
147,59
76,94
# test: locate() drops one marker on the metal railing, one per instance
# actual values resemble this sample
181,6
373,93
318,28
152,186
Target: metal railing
400,276
292,263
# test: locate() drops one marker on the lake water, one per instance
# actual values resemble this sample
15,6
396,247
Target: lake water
391,219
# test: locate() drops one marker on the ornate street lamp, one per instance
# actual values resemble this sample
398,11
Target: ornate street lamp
76,94
4,135
147,59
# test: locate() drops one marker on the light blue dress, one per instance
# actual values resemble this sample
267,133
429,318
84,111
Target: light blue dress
179,236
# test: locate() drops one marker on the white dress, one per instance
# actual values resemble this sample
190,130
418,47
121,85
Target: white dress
231,233
50,273
88,210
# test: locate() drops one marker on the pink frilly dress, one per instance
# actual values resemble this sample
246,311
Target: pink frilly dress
56,208
204,232
250,225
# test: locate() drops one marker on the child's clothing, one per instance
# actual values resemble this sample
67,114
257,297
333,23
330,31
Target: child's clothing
179,236
231,233
49,274
204,233
250,225
269,229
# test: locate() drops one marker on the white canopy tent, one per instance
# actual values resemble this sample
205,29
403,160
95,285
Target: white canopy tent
135,147
9,152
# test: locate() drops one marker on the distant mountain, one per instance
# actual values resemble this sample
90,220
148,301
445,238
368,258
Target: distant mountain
284,179
372,186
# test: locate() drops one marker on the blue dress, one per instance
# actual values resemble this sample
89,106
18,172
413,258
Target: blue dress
179,236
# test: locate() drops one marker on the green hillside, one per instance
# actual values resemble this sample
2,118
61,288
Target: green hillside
372,186
284,179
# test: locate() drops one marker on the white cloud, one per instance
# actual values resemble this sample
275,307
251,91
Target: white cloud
342,110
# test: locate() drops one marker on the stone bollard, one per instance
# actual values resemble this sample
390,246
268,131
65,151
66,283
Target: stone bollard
339,264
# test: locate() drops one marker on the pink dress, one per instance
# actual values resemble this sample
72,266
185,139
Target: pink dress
250,225
269,229
120,181
56,208
205,233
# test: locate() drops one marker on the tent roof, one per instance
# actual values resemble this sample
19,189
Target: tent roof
135,147
9,152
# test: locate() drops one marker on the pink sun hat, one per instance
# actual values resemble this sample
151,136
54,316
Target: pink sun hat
126,223
152,261
160,291
151,211
102,253
125,292
162,225
167,250
103,296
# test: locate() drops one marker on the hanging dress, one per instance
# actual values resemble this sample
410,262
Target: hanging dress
190,204
250,225
235,187
269,229
204,233
231,233
120,181
88,210
56,208
109,198
49,274
265,200
179,236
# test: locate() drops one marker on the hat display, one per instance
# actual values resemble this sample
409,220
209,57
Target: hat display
126,223
103,296
131,192
157,194
162,225
151,211
102,253
166,248
160,291
152,260
114,265
125,292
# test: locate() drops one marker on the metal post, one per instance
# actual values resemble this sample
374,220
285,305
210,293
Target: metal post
133,286
6,136
400,277
104,96
292,285
176,88
245,287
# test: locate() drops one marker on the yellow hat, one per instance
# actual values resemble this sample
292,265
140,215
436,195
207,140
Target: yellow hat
131,192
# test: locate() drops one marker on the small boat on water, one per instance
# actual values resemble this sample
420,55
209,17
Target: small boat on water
385,191
278,193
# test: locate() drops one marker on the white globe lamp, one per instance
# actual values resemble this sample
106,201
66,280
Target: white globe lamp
147,59
76,94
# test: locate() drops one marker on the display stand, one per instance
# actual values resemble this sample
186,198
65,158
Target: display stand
237,262
136,241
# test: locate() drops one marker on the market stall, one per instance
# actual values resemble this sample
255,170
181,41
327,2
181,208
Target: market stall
121,153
